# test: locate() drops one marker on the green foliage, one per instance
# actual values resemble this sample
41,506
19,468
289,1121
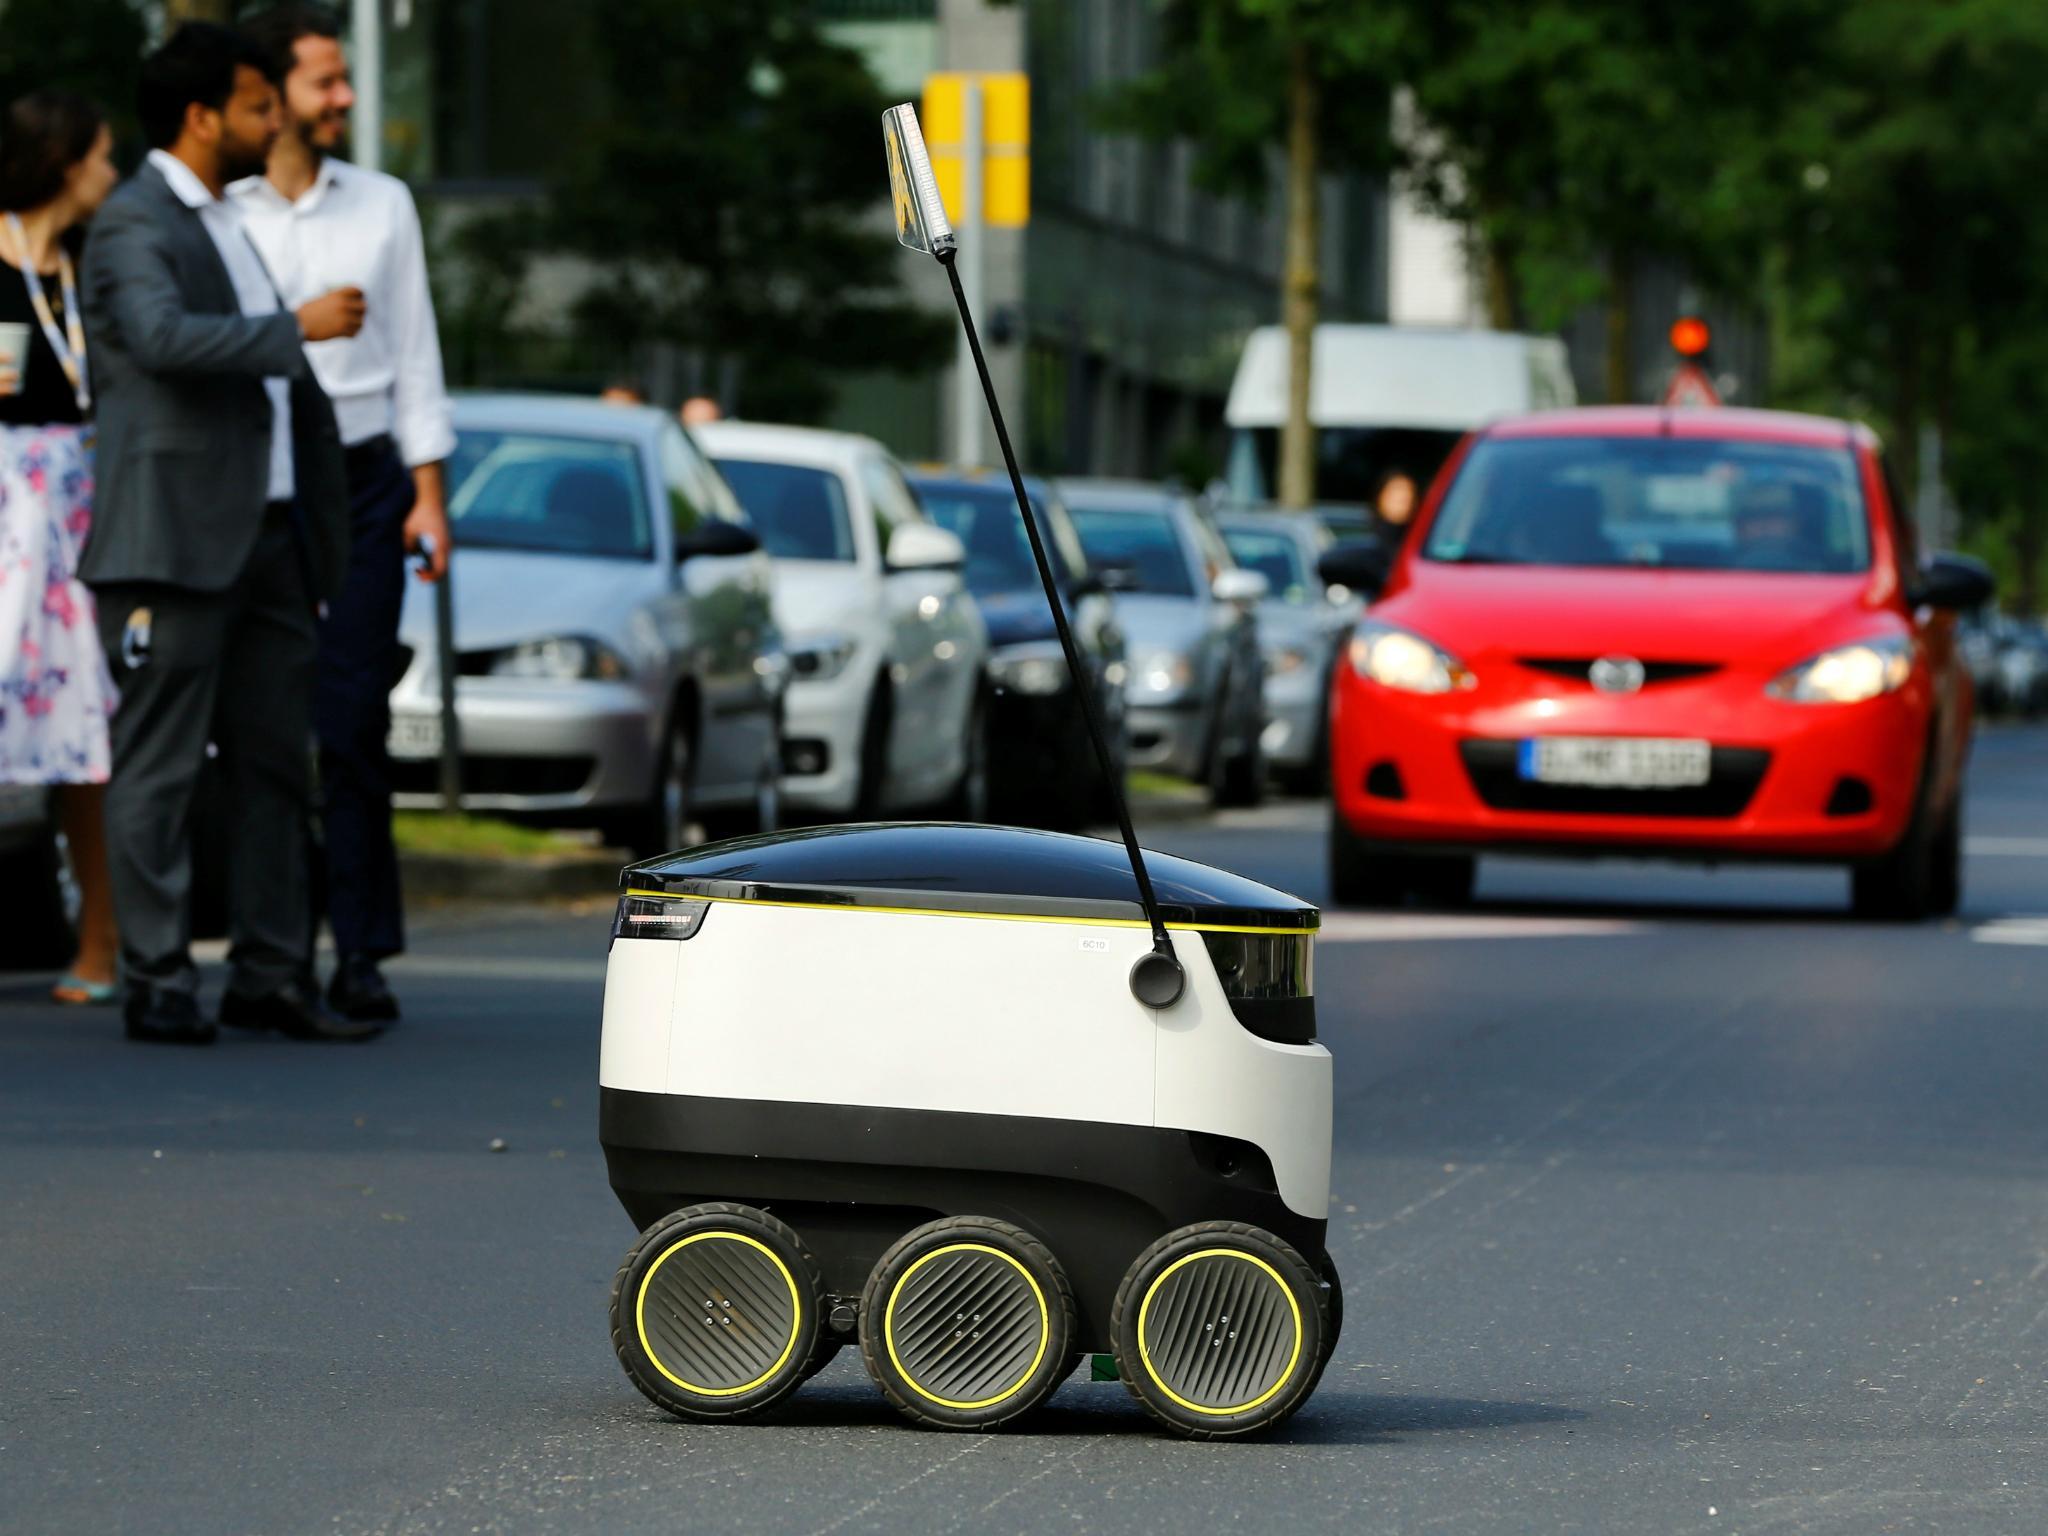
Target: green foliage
1221,84
725,195
94,47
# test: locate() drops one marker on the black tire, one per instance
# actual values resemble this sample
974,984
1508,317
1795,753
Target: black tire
1946,894
927,1364
969,800
763,811
1902,886
753,1275
874,756
662,824
42,935
1333,1312
1362,875
1235,779
1174,1308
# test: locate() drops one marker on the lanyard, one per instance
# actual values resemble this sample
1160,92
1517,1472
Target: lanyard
69,345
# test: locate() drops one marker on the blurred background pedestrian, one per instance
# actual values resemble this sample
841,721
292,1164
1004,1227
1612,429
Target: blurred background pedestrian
56,694
222,517
1393,503
699,410
321,223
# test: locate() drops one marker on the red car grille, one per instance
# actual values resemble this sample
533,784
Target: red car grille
1734,774
1578,668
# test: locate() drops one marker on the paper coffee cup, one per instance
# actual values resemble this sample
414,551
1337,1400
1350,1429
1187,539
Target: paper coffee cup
13,355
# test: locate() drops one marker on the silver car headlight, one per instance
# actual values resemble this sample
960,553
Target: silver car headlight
818,658
1848,674
1160,674
1286,660
1404,661
1040,670
558,658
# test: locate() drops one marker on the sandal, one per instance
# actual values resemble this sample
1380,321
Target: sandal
75,991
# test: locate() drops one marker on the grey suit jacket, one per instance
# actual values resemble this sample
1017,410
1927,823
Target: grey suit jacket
182,466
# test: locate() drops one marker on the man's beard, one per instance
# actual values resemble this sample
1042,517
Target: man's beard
238,160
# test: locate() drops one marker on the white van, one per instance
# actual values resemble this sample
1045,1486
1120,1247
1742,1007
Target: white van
1384,398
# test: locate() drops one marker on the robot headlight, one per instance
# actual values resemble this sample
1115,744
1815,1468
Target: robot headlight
658,917
1270,981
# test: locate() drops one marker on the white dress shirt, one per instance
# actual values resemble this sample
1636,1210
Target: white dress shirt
254,291
358,228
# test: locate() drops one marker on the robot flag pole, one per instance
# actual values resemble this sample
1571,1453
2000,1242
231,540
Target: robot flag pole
921,224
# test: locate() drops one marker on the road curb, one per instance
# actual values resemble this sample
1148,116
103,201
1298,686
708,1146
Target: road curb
459,877
1158,808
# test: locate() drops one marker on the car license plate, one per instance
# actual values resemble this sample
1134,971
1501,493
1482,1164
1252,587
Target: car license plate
414,736
1615,762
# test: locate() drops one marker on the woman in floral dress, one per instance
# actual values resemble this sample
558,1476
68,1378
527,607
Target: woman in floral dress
56,691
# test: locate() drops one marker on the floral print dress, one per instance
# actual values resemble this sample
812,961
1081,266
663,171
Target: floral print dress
56,691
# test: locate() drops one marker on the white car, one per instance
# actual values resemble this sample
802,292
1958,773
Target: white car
886,707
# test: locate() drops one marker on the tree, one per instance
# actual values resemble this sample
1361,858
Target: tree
94,47
1239,79
723,200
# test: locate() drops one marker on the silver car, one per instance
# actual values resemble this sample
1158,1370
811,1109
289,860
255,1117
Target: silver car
617,658
1301,630
1194,692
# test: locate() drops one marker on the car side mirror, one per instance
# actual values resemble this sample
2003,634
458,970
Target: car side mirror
716,537
1361,565
925,547
1954,582
1238,585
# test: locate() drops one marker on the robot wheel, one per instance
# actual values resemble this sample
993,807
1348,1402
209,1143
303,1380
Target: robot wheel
966,1323
1220,1329
716,1312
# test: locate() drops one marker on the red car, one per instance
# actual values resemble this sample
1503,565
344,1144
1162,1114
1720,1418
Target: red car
1699,633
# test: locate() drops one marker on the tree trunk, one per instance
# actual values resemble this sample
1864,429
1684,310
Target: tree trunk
1621,382
1905,435
1300,283
1497,272
177,11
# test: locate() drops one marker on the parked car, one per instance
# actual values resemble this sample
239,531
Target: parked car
618,662
1194,696
42,898
1044,770
1697,633
2022,666
1302,626
887,704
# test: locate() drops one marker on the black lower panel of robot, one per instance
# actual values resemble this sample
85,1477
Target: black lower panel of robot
853,1179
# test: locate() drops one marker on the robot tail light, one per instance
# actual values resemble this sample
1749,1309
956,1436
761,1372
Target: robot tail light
1157,979
657,917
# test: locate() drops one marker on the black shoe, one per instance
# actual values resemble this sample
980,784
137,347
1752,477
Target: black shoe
358,991
162,1017
294,1011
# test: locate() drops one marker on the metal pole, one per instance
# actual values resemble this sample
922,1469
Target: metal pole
1162,946
444,661
366,74
968,273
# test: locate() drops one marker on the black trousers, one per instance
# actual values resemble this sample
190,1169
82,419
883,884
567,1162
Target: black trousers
358,666
234,667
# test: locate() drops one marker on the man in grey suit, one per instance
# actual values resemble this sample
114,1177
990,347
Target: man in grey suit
220,520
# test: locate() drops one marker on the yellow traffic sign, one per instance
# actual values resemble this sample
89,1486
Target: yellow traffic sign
1005,142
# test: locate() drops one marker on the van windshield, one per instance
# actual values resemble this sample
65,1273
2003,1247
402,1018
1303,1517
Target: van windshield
1669,503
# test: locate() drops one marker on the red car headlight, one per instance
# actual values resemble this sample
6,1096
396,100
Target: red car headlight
1402,660
1848,674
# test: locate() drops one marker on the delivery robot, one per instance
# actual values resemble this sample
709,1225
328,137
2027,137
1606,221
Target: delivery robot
981,1102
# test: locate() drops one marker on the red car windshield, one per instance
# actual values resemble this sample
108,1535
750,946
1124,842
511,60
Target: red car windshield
1660,502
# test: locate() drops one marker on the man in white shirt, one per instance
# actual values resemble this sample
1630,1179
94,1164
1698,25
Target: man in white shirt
220,518
319,223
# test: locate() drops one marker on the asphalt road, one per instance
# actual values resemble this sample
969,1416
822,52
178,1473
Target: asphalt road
1666,1201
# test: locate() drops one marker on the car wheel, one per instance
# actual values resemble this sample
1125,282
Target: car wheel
1359,876
43,934
1902,886
969,800
762,811
874,756
662,825
1946,893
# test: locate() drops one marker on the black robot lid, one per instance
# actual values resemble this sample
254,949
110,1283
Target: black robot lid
948,867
